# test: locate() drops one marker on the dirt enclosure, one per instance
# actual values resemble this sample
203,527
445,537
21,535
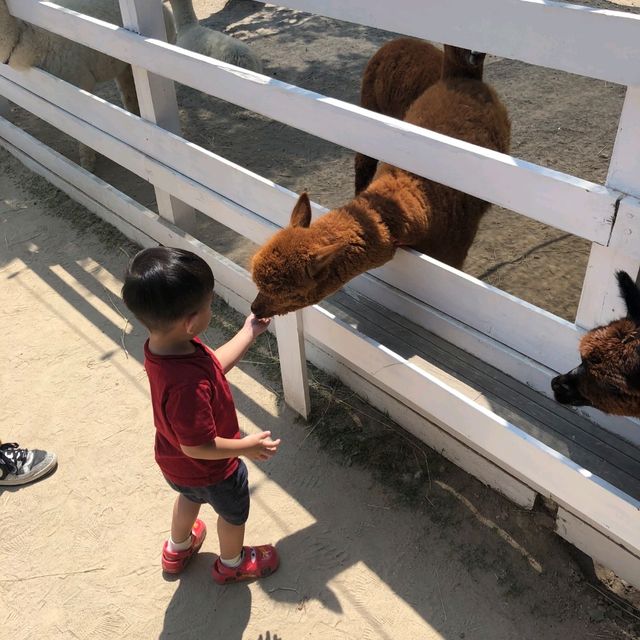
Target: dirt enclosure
407,547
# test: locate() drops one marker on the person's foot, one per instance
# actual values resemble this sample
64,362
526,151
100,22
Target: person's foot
257,562
176,561
20,466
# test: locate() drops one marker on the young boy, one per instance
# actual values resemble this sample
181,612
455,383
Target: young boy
197,436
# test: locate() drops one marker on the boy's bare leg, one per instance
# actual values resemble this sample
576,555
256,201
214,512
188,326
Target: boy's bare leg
231,538
185,513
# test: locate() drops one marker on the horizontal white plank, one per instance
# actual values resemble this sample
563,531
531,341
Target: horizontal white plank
174,153
613,556
526,328
238,287
130,217
593,500
425,279
200,197
538,192
439,440
548,339
590,42
493,350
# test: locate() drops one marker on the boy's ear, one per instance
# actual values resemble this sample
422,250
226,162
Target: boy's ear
189,323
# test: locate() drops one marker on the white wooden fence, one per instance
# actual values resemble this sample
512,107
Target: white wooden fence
481,319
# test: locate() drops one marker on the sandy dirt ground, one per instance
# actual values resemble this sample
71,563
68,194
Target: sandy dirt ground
380,537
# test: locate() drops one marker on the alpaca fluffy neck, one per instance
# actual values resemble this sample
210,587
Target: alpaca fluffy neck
390,213
183,13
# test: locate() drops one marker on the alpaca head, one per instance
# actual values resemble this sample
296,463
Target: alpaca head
462,62
608,378
296,267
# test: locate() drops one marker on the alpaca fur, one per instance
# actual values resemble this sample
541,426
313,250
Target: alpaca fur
23,45
397,74
303,263
608,377
199,39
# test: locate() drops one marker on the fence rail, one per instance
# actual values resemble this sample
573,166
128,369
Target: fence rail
546,195
592,42
483,319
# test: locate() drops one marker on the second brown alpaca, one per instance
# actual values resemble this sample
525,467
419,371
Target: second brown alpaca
303,263
397,74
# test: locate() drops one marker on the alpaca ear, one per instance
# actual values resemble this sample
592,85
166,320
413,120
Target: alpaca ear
301,214
324,257
630,294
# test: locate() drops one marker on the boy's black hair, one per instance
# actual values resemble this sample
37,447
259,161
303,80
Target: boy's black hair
163,285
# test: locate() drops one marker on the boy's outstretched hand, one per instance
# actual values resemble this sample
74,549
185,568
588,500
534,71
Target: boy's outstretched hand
260,446
257,326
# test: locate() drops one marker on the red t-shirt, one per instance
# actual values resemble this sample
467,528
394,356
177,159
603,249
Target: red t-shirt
192,404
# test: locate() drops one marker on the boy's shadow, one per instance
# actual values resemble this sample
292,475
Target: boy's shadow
200,608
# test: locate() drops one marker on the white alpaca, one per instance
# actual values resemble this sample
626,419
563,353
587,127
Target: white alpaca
23,45
194,37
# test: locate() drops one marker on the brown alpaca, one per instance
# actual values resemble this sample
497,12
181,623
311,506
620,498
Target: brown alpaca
303,263
397,74
608,378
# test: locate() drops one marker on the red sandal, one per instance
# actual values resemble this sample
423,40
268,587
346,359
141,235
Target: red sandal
257,562
176,561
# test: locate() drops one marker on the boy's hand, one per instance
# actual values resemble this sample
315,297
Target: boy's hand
260,446
256,326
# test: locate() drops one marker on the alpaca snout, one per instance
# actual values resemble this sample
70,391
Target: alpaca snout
565,389
259,307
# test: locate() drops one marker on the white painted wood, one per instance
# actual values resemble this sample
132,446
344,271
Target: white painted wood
156,98
578,39
257,192
226,178
198,196
550,473
625,164
548,339
533,332
625,236
293,362
538,192
599,302
536,456
428,432
608,553
506,359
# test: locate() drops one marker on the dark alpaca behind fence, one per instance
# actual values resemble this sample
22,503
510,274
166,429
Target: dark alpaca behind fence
608,376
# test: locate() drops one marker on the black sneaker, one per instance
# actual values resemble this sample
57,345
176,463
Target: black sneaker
20,466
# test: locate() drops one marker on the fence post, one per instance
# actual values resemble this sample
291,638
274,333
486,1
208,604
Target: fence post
157,98
600,301
293,362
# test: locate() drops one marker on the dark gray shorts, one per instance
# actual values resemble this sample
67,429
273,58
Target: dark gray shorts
229,498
